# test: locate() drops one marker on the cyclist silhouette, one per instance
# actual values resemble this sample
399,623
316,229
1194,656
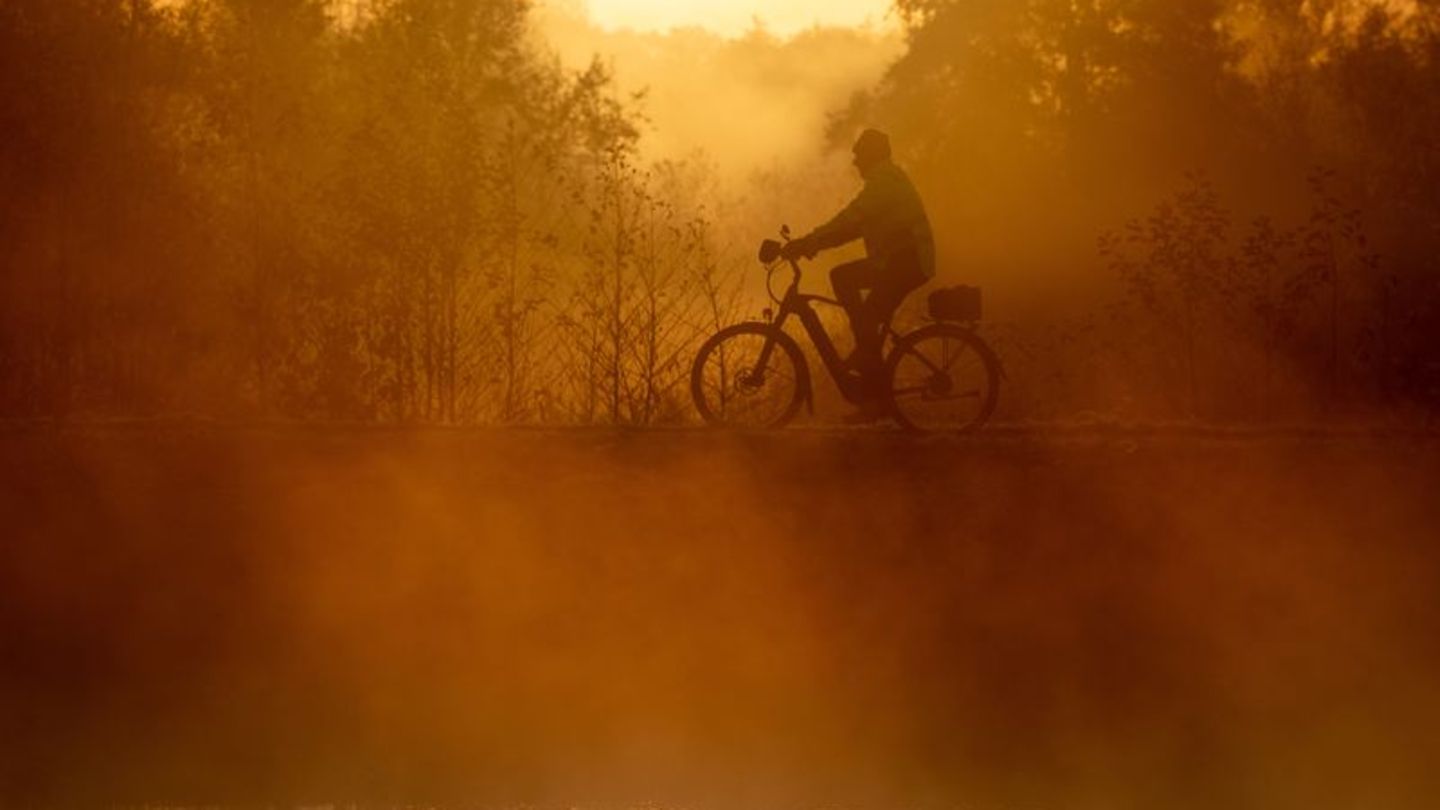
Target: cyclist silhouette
900,253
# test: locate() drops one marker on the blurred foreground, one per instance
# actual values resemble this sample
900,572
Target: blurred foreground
201,616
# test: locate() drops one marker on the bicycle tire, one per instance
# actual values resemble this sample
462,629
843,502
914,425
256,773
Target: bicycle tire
940,384
788,402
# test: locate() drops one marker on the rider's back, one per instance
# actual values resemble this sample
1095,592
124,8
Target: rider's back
889,215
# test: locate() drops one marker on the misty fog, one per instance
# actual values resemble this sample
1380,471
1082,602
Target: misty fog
743,104
348,455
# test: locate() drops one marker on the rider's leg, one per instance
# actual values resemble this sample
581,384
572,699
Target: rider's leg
902,277
850,282
899,278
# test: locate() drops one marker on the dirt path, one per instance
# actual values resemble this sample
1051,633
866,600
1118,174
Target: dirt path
1036,619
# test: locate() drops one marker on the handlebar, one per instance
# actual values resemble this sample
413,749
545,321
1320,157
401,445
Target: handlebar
771,253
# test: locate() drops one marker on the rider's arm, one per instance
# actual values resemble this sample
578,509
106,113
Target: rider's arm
845,226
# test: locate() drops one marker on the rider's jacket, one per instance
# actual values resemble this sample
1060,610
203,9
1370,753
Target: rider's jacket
889,216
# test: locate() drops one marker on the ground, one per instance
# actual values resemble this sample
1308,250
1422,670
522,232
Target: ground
200,614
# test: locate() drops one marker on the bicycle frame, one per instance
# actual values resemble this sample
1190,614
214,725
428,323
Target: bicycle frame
798,305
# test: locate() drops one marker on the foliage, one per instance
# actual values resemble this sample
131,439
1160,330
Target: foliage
408,211
1219,325
273,208
1032,125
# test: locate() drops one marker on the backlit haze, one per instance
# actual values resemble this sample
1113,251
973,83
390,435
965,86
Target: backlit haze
742,85
350,454
734,17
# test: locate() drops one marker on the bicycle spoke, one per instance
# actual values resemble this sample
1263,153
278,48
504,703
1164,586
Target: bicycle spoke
941,382
734,389
922,358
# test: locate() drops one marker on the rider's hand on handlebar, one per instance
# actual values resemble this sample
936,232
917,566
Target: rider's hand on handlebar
802,248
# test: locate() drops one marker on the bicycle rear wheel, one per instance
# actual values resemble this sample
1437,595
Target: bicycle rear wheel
942,379
749,377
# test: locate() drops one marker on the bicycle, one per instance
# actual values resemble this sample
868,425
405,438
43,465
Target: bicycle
942,377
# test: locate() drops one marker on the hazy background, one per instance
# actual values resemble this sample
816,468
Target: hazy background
474,211
729,18
295,295
744,98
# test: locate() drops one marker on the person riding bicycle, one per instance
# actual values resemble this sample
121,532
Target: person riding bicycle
899,246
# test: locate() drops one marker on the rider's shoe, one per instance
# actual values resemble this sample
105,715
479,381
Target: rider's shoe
867,413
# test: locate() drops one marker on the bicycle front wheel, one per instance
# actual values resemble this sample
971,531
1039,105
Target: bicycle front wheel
942,379
749,377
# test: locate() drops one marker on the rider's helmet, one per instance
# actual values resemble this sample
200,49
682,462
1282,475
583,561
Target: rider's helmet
873,146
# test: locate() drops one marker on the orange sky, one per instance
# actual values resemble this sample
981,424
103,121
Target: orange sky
765,100
732,17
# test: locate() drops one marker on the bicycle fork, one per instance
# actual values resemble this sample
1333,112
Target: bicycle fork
777,330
